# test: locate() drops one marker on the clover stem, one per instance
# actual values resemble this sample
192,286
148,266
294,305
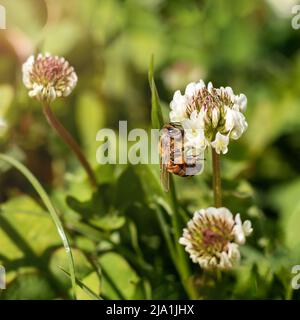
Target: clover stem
68,139
216,178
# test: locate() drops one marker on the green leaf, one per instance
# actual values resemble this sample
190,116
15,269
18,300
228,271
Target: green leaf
119,281
88,286
30,286
156,113
25,229
53,213
109,222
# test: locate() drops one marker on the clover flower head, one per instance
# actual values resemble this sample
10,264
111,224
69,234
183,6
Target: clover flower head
213,236
219,113
48,77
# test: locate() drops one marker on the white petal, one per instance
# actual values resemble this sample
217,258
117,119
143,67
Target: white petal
51,95
210,87
26,69
191,89
238,230
220,144
241,101
194,115
225,213
178,106
177,95
67,91
229,119
235,123
247,228
229,91
200,85
215,117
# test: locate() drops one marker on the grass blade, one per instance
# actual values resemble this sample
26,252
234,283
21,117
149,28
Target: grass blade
50,207
156,112
166,233
85,288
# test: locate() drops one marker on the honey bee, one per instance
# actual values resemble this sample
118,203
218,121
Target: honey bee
173,158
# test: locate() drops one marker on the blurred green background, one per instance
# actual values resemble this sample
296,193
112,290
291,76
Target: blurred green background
118,246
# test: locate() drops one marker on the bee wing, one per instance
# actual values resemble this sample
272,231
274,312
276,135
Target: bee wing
164,177
164,159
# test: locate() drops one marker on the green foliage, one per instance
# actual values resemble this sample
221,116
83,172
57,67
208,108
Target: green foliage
124,236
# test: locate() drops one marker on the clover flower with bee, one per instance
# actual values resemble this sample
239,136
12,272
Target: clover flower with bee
49,77
219,113
209,117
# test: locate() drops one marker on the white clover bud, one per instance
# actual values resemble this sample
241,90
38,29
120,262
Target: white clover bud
48,77
215,116
211,238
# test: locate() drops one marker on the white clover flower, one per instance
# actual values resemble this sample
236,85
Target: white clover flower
212,238
220,144
48,77
219,112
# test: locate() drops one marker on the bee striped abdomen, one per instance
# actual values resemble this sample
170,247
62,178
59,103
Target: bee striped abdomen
172,155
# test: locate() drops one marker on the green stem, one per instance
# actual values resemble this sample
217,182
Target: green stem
216,178
68,139
183,267
168,239
184,276
53,213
